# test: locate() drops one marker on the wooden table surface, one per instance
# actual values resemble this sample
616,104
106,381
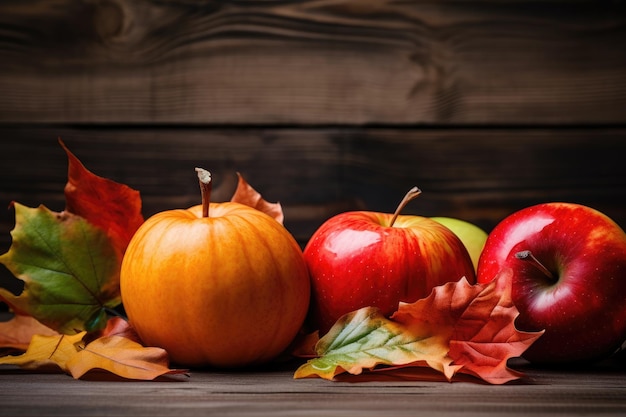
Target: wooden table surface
600,390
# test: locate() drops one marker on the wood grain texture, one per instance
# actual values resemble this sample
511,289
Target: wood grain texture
313,62
596,391
477,174
480,175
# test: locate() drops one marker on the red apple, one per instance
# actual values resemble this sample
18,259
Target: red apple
361,258
569,278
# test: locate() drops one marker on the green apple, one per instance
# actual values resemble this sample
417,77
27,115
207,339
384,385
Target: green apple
472,236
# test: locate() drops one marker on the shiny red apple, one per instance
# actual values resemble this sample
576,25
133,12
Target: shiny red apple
568,264
361,258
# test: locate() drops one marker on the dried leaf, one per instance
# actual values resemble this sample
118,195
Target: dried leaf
122,357
45,352
17,332
117,326
247,195
459,328
485,337
479,323
69,268
365,338
111,206
115,354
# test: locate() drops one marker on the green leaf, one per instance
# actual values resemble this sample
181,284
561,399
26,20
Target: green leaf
363,339
69,267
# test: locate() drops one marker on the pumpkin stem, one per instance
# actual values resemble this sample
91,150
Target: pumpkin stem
204,177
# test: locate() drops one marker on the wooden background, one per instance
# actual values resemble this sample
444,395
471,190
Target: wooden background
323,105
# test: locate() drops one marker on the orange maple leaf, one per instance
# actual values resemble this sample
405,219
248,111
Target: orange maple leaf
479,323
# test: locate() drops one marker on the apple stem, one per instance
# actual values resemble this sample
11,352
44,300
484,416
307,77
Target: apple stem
204,177
527,255
410,195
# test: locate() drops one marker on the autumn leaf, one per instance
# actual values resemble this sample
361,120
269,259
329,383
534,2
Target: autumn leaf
45,352
17,332
115,354
364,339
479,323
485,336
117,326
111,206
459,328
122,357
69,268
248,196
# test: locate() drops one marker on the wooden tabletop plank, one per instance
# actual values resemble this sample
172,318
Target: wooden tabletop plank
480,175
597,391
313,62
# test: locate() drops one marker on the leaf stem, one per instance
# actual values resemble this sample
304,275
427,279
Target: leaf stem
204,177
527,255
410,195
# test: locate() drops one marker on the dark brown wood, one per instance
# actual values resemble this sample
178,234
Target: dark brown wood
313,62
543,392
480,175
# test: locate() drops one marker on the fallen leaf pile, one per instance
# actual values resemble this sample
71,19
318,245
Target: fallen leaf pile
459,328
76,355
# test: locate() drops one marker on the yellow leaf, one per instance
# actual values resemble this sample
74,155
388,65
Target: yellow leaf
46,351
123,357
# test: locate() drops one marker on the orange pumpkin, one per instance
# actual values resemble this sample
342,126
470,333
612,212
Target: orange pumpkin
228,289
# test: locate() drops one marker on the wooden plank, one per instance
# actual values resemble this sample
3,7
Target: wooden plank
477,174
543,392
313,62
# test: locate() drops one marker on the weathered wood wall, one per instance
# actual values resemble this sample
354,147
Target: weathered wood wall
324,105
